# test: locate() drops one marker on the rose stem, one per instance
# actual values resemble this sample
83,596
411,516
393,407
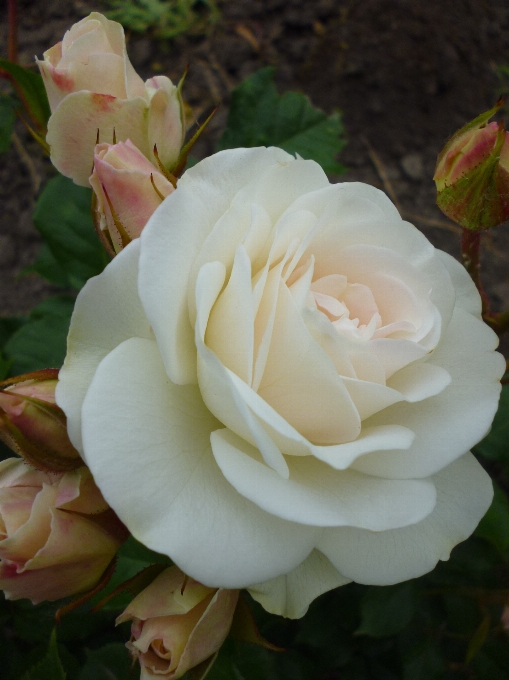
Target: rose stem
470,252
470,256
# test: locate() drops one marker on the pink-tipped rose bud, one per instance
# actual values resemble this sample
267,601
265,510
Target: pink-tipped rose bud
128,188
33,425
178,623
94,90
472,174
57,534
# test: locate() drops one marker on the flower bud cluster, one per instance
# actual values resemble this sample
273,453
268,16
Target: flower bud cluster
106,118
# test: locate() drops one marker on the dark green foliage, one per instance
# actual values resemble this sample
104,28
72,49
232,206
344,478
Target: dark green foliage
31,89
111,662
50,667
495,446
387,611
73,252
41,341
259,116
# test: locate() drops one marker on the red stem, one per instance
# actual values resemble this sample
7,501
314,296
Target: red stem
12,41
470,256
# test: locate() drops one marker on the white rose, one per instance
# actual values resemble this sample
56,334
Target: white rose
285,396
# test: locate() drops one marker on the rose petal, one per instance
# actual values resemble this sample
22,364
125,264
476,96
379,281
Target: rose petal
101,73
164,597
131,193
318,495
107,312
300,381
453,421
230,328
464,493
15,507
72,144
211,630
166,128
215,380
420,381
32,535
353,213
290,595
467,295
174,237
394,354
166,487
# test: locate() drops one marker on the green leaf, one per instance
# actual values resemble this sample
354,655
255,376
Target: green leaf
494,526
32,88
423,663
478,639
259,116
5,365
132,558
50,668
135,550
492,662
8,326
496,445
47,266
7,106
111,662
242,661
64,219
386,610
41,341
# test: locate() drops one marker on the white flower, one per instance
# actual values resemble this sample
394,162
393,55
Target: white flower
285,396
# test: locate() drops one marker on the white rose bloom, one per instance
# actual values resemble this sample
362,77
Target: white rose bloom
278,384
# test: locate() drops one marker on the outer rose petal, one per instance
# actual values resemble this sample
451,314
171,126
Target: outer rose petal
290,595
465,493
165,485
316,495
72,130
107,312
165,125
165,597
211,630
467,295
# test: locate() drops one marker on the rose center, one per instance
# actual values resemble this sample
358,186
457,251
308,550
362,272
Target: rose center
352,308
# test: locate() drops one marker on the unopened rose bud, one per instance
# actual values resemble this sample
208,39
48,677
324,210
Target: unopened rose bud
93,90
178,623
57,534
472,174
128,188
33,425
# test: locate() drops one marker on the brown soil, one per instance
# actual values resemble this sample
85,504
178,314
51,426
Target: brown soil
405,73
